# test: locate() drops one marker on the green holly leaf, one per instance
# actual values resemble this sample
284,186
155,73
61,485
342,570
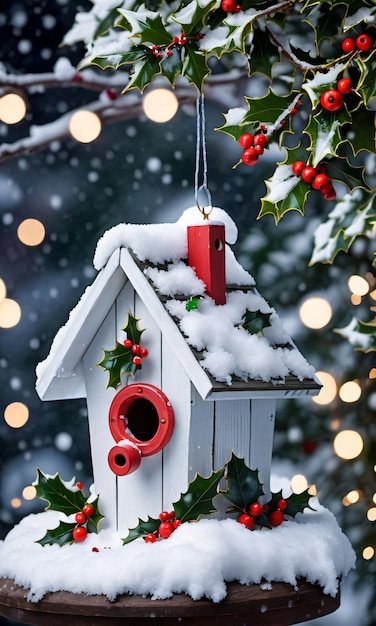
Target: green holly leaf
341,170
143,73
58,495
323,130
142,529
264,54
297,502
234,124
119,360
243,485
171,66
114,61
145,25
193,16
60,535
270,109
367,86
198,499
107,22
361,138
361,335
285,192
255,321
195,67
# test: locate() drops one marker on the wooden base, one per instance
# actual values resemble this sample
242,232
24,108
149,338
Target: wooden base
243,606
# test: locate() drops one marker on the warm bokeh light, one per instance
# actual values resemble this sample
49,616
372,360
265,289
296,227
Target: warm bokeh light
16,503
329,388
85,126
355,300
315,313
350,391
12,108
31,232
312,490
372,373
371,514
351,498
160,105
299,483
358,285
348,444
373,294
16,414
374,498
368,553
29,492
10,313
3,291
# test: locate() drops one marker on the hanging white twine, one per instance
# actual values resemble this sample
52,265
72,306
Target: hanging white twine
201,191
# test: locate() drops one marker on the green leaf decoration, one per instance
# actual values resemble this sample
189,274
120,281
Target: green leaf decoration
195,67
119,360
323,130
349,175
285,192
198,499
297,502
143,73
114,61
192,303
171,66
192,16
363,120
361,335
142,529
270,108
107,22
255,321
60,535
264,54
145,25
57,494
243,485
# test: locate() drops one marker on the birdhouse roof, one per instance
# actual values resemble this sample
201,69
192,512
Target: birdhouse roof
239,348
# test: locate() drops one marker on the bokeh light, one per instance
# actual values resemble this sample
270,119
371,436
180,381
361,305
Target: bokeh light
358,285
329,388
3,290
350,391
371,514
29,492
160,105
31,232
315,313
352,497
16,503
368,553
12,108
16,414
348,444
299,483
85,126
10,313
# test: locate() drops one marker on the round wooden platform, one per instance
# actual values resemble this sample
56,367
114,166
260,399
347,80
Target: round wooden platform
243,606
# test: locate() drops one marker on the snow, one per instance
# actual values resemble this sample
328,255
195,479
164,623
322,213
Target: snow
197,559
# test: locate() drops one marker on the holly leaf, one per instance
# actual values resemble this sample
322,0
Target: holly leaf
285,192
145,25
264,54
114,61
59,497
172,66
255,321
143,73
60,535
270,109
297,502
195,67
107,22
361,137
142,529
119,360
243,485
323,130
192,16
349,175
198,499
361,335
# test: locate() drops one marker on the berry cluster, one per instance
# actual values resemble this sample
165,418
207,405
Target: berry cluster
230,6
166,527
363,43
332,100
253,147
139,353
275,517
80,532
316,177
166,50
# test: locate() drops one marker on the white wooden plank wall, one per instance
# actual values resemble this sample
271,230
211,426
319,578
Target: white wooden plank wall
262,431
98,403
140,493
232,431
201,438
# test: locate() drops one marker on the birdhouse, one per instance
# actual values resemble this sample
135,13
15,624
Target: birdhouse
195,361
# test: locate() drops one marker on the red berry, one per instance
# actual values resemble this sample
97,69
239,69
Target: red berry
276,518
164,516
176,523
228,5
95,549
293,111
168,53
238,8
144,352
321,182
183,38
165,530
308,174
331,100
344,85
255,509
309,446
298,167
263,128
265,507
282,504
77,78
79,485
246,520
364,42
171,515
259,150
330,194
150,538
137,360
111,94
79,533
175,40
250,156
136,348
88,509
348,45
246,140
128,343
80,518
260,140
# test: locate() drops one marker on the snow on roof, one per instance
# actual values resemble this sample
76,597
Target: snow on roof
227,351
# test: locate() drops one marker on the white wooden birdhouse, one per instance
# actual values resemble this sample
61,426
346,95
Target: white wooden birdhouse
181,362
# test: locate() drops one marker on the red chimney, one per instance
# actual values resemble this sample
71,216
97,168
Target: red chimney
206,255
